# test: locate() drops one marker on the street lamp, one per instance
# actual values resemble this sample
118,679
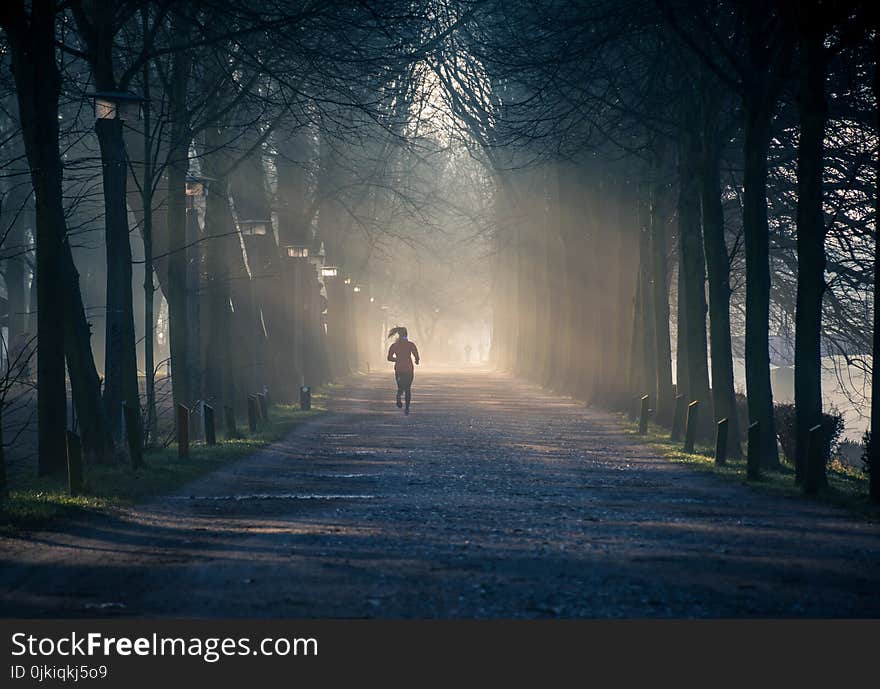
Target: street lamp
357,288
117,105
196,185
295,251
329,272
347,281
254,228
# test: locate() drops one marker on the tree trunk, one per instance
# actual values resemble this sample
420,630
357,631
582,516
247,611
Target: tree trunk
147,182
659,211
768,55
810,240
120,355
874,445
17,215
646,298
178,164
38,82
693,265
718,270
85,384
221,250
681,358
757,238
4,483
619,385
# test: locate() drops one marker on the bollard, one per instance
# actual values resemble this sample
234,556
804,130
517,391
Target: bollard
753,456
677,419
721,442
208,424
74,465
814,473
690,429
305,398
229,416
264,407
132,424
253,413
182,431
643,416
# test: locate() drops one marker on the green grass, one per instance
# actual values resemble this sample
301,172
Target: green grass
35,503
847,487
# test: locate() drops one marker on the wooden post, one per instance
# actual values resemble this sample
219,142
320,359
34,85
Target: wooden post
634,407
305,398
643,416
253,413
229,416
677,419
133,435
814,474
74,465
753,456
264,407
721,442
690,431
182,431
208,422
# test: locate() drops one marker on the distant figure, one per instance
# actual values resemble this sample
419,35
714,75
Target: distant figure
467,353
401,353
480,352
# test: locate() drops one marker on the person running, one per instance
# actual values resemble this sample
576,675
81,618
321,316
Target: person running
401,353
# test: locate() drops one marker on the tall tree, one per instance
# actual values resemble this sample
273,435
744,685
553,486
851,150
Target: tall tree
38,85
717,266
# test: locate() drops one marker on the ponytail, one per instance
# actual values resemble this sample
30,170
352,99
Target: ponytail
398,330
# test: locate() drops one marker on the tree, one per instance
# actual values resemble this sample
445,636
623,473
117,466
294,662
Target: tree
38,84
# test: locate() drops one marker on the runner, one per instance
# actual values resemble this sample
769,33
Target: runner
401,353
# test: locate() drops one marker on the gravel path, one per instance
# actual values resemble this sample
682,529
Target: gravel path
492,499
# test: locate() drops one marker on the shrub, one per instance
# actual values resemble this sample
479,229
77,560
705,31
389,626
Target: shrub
786,429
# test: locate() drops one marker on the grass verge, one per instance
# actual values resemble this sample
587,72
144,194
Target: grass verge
847,487
35,503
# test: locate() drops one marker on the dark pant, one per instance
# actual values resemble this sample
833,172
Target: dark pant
404,384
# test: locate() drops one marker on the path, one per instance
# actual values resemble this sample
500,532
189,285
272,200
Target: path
493,499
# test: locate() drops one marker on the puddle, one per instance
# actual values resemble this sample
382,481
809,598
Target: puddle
277,496
337,475
104,606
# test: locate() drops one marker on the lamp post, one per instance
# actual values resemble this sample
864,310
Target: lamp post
117,105
295,294
254,228
335,318
197,187
296,251
355,323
